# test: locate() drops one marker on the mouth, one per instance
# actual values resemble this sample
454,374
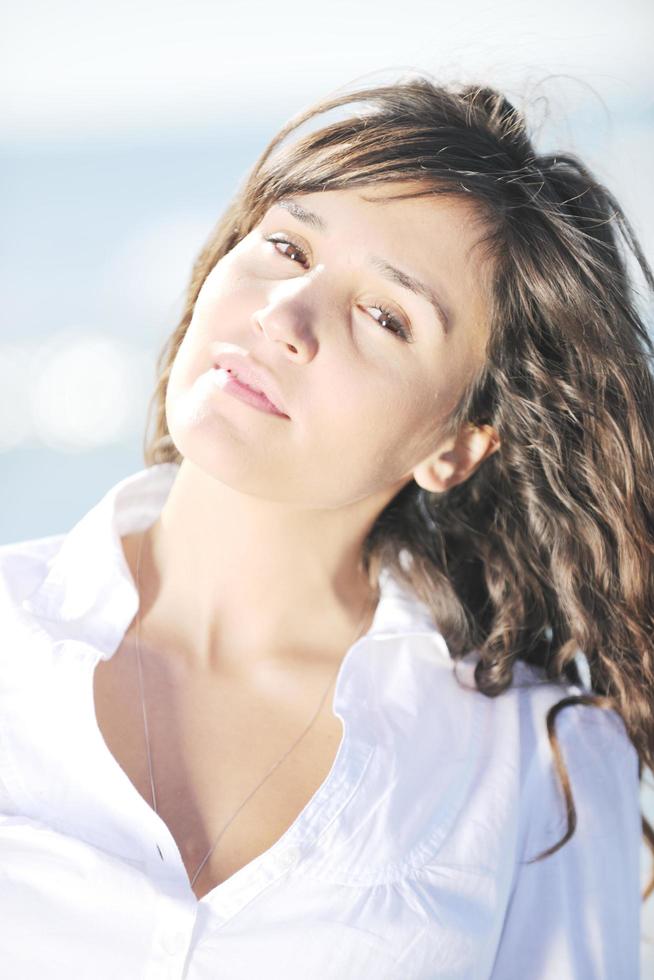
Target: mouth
244,384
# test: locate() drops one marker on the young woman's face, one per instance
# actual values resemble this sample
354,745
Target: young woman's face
362,360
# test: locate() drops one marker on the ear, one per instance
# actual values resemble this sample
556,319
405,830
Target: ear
457,458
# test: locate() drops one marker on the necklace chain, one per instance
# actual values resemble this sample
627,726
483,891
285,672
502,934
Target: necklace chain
147,733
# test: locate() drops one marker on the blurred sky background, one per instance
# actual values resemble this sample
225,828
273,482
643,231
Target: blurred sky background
125,128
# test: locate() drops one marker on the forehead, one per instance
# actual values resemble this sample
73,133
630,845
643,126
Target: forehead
386,202
418,219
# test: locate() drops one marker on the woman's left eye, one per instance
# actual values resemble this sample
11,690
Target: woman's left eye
387,319
394,324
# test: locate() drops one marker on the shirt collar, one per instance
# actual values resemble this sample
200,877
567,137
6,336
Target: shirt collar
88,593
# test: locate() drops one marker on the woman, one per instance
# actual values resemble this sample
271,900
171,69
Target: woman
402,452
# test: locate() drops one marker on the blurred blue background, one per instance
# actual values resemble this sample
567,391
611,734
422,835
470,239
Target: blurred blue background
125,130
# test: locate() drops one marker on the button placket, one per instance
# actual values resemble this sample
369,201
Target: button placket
176,922
174,942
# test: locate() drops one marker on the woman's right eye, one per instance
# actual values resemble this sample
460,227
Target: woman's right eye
294,251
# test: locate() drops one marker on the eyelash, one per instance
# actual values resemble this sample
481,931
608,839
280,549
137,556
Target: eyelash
385,313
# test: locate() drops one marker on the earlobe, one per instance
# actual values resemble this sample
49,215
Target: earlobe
457,459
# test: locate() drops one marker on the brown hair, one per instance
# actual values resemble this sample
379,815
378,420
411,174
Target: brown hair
546,550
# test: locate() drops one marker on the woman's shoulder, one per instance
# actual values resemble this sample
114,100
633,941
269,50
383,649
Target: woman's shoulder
493,755
579,724
23,565
597,756
512,734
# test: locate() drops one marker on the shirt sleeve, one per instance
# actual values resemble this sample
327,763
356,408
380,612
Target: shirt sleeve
575,915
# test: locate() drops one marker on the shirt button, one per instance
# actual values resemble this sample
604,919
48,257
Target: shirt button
174,942
292,855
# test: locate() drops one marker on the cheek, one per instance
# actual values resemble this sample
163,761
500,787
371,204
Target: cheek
188,361
383,405
415,420
227,281
210,305
219,314
383,431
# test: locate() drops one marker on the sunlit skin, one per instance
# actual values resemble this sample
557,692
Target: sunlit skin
255,556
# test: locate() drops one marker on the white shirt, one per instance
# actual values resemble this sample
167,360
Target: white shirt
404,864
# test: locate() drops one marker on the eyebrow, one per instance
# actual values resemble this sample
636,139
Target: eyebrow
387,269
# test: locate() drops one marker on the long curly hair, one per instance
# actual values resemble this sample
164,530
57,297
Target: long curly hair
546,551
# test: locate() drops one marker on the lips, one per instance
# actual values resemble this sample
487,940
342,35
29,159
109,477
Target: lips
253,376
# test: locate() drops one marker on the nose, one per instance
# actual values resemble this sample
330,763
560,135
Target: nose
287,319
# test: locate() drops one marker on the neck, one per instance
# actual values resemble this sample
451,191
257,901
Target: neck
228,581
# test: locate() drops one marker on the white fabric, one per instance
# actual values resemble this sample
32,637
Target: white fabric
404,864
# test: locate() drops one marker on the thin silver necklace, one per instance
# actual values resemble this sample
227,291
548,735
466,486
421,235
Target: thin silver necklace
147,734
